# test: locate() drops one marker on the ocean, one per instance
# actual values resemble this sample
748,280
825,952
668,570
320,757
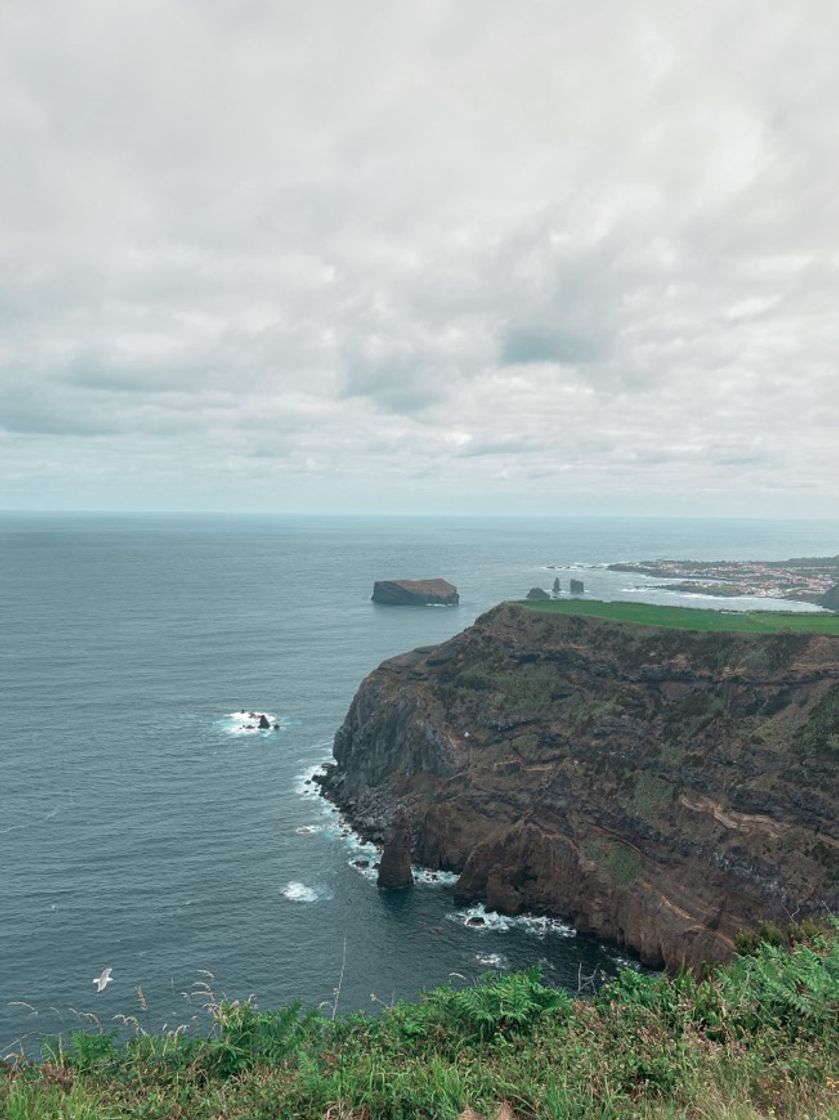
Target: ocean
144,829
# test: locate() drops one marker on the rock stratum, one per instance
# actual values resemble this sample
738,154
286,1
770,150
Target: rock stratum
663,789
415,592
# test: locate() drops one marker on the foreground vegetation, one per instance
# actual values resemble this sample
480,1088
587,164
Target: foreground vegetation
756,1039
690,618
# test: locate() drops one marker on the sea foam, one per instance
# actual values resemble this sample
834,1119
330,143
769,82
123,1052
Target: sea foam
247,723
479,918
299,892
492,960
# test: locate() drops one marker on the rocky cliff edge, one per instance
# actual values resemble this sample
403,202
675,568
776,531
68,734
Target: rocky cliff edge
663,789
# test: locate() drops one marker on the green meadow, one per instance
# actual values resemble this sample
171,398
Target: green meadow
688,618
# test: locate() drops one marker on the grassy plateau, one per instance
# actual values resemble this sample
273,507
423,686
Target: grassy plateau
757,1039
689,618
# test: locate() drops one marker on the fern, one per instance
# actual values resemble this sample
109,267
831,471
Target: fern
506,1005
797,988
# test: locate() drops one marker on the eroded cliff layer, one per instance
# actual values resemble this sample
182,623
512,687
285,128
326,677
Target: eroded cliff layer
663,789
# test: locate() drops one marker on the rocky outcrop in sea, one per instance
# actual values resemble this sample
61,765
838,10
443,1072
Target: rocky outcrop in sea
415,593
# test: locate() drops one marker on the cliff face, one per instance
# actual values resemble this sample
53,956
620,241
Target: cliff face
663,789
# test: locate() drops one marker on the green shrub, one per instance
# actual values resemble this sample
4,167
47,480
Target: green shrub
753,1039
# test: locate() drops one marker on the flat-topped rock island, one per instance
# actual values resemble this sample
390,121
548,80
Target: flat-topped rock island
415,593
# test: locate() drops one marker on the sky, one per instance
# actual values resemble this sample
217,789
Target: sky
424,256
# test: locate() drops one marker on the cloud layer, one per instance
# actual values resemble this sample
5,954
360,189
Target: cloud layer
427,256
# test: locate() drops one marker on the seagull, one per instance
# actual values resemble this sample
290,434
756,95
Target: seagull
102,981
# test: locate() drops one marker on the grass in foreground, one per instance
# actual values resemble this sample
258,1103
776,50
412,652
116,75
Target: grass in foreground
689,618
758,1039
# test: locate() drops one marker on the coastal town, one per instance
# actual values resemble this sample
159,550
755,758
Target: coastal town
808,579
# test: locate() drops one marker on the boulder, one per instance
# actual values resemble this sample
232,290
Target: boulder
415,592
537,593
395,867
264,723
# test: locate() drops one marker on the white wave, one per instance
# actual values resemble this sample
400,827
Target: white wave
540,926
303,784
299,892
432,878
366,857
247,723
620,959
308,829
366,868
479,918
492,960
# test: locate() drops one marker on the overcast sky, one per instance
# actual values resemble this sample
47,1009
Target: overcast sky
552,256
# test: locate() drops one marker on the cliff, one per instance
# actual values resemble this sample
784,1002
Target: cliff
664,789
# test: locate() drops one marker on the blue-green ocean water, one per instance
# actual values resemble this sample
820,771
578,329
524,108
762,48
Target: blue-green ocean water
139,832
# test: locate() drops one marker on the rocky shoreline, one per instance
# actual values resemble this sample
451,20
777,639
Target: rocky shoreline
663,790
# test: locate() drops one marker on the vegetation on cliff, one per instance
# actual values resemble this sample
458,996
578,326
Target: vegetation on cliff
753,1040
692,618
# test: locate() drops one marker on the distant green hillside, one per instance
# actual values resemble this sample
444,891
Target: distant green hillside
688,618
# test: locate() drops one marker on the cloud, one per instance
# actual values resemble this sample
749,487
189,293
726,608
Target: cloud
524,345
368,256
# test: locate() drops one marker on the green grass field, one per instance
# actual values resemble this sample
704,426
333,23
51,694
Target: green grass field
688,618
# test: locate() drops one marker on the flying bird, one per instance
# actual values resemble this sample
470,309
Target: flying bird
102,981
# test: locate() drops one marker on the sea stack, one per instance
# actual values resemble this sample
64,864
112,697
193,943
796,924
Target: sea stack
415,593
577,587
395,867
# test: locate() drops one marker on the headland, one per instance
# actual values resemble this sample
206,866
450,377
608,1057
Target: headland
664,778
